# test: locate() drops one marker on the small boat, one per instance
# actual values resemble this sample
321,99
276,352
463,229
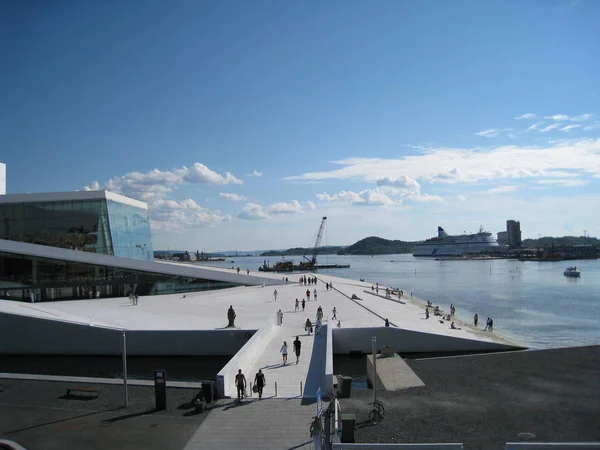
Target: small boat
572,272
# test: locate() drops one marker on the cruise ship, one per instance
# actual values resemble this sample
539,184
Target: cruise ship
464,244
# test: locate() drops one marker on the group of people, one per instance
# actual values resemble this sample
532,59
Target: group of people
133,299
308,294
259,379
241,385
297,305
304,281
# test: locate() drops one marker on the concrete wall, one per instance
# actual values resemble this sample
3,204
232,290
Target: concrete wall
226,376
346,340
327,378
2,179
24,335
339,446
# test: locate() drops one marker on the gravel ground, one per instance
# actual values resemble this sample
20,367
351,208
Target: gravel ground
488,400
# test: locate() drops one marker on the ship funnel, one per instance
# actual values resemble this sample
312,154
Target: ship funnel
441,232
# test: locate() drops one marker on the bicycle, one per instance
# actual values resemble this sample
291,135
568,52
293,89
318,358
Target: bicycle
377,413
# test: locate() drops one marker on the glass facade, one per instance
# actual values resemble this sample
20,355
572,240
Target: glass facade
51,280
130,231
95,225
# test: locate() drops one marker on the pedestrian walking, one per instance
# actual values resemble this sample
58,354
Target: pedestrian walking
303,304
491,328
315,292
279,317
318,327
247,271
297,347
284,352
487,324
275,294
387,323
308,326
334,313
131,298
296,305
308,295
98,295
240,384
475,319
259,382
427,313
137,298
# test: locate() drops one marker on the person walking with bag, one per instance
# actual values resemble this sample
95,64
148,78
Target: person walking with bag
284,352
259,383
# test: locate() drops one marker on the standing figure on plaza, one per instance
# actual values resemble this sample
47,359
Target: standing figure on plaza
231,316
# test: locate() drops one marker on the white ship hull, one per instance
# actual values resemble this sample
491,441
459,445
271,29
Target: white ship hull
467,244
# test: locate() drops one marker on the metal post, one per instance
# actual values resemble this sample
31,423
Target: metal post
374,349
276,389
125,369
301,388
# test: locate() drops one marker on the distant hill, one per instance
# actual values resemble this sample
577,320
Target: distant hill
565,240
299,251
377,246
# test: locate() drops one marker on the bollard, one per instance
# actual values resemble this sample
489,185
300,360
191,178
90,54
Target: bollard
276,389
301,388
251,391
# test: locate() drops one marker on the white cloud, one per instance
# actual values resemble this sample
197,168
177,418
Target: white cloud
469,165
155,186
254,173
428,198
402,181
94,186
286,208
252,211
199,173
570,127
535,126
500,190
565,118
526,116
174,216
558,117
365,197
232,197
551,127
492,132
563,182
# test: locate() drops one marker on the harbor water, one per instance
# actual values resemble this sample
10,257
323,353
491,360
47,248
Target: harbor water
532,303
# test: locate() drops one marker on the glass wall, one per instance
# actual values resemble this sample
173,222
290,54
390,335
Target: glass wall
51,280
97,226
130,231
74,224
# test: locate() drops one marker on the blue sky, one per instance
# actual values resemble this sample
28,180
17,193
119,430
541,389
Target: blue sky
389,117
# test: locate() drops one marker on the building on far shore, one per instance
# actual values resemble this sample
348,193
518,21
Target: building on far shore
513,230
502,238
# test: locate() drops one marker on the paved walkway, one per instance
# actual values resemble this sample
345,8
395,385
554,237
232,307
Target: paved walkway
291,377
253,424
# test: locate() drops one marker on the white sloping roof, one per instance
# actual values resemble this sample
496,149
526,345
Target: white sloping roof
185,270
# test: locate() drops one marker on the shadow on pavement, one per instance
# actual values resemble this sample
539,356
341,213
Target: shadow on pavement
55,422
129,416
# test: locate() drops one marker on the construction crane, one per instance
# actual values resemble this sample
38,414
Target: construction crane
313,261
